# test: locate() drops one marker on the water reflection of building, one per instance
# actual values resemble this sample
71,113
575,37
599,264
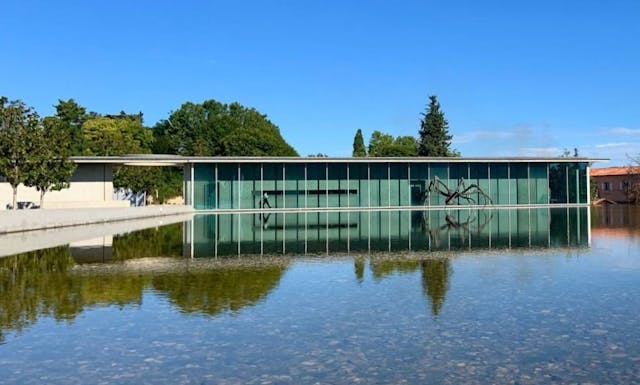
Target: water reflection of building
353,232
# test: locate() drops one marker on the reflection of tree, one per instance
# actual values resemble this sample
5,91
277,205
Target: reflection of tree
435,281
385,267
358,266
43,283
217,290
165,241
35,284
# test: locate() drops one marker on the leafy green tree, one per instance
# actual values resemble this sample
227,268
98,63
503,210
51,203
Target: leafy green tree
359,150
108,136
19,127
378,142
216,129
71,116
51,168
405,146
434,131
255,141
119,135
385,145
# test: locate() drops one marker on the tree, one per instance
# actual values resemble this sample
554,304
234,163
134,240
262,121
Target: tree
379,143
385,145
359,150
121,134
632,182
116,135
18,132
434,132
71,116
51,168
216,129
255,141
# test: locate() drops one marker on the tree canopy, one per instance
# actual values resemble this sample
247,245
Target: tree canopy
216,129
385,145
116,135
434,138
70,116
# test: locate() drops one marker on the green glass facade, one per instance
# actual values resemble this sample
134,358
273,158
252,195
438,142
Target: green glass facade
304,184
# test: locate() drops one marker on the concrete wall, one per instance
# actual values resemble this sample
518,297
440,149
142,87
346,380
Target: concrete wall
91,186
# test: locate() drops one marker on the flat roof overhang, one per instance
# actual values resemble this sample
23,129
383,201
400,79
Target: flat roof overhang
177,160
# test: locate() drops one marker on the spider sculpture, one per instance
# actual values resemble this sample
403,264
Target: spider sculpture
468,193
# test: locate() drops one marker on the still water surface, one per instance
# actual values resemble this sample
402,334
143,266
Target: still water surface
525,296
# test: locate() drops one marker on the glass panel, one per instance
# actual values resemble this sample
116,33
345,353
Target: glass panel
538,184
294,186
337,191
273,186
439,173
316,185
204,186
227,185
558,182
584,190
499,186
577,182
249,186
520,183
479,175
358,174
379,184
419,183
459,181
399,185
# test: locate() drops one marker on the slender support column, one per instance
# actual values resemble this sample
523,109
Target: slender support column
588,185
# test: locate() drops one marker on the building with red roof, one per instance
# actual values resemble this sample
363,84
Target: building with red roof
617,184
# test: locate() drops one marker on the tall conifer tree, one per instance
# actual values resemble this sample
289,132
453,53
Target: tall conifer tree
359,149
434,131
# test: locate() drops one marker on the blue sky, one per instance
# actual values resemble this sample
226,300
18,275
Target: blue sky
515,78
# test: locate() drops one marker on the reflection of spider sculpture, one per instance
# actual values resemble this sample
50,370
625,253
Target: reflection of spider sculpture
474,224
461,192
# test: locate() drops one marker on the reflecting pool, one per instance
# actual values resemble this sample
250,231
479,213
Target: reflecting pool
460,296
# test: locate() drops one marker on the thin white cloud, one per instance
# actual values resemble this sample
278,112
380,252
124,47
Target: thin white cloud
519,131
542,141
482,135
624,131
541,151
615,145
